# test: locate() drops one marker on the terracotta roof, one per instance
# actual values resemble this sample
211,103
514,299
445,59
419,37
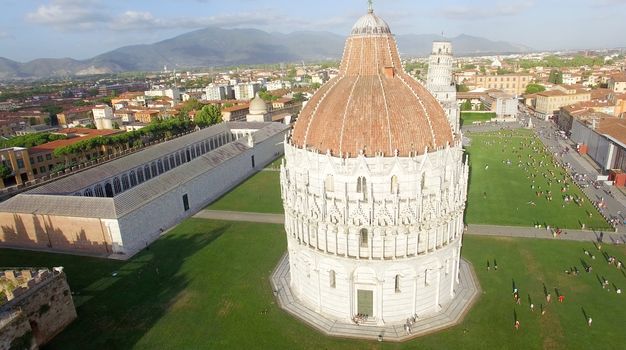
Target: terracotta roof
373,106
236,108
551,93
85,134
613,127
619,78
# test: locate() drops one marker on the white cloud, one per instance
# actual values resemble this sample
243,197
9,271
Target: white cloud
133,20
69,14
501,9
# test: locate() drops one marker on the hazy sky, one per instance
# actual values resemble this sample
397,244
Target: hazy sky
84,28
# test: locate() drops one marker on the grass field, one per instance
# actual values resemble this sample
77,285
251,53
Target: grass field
205,286
501,185
260,194
471,117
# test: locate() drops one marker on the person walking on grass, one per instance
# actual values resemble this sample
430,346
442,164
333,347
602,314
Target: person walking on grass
589,320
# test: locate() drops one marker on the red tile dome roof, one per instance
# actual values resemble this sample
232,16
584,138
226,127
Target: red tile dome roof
373,106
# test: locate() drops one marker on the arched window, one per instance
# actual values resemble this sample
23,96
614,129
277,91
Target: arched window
397,283
394,184
146,172
140,177
133,178
125,183
177,159
332,278
117,185
166,164
172,162
188,157
88,193
423,182
109,190
153,167
329,184
160,166
364,238
99,190
361,186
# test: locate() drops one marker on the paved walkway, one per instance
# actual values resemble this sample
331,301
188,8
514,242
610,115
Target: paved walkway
241,216
482,230
451,314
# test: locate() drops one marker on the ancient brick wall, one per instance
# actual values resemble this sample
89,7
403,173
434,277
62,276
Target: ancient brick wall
44,302
15,331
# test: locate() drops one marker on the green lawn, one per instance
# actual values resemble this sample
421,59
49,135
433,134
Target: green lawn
205,285
471,117
501,193
260,193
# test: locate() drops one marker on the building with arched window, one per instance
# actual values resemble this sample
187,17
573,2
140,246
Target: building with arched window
387,232
121,206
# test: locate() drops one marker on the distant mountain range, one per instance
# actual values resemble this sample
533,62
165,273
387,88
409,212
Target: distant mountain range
211,47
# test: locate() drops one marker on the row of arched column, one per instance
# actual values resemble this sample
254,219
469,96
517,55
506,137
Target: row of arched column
142,173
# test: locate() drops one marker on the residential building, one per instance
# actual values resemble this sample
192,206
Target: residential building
17,159
172,93
79,113
146,115
514,84
235,113
219,92
246,91
617,83
503,104
547,102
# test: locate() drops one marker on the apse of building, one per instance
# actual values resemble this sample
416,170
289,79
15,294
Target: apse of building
374,187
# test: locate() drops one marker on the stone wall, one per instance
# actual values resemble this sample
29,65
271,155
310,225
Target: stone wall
60,233
41,306
168,210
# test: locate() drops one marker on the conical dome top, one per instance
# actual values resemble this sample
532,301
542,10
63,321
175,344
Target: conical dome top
257,105
370,24
373,107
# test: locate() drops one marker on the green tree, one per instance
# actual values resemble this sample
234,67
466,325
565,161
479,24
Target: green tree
208,115
5,171
91,126
466,105
267,96
292,73
556,77
316,86
116,125
462,88
535,88
299,97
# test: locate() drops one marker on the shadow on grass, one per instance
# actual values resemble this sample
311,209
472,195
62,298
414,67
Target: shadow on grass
116,312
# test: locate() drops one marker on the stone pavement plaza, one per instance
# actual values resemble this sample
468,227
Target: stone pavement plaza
467,293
